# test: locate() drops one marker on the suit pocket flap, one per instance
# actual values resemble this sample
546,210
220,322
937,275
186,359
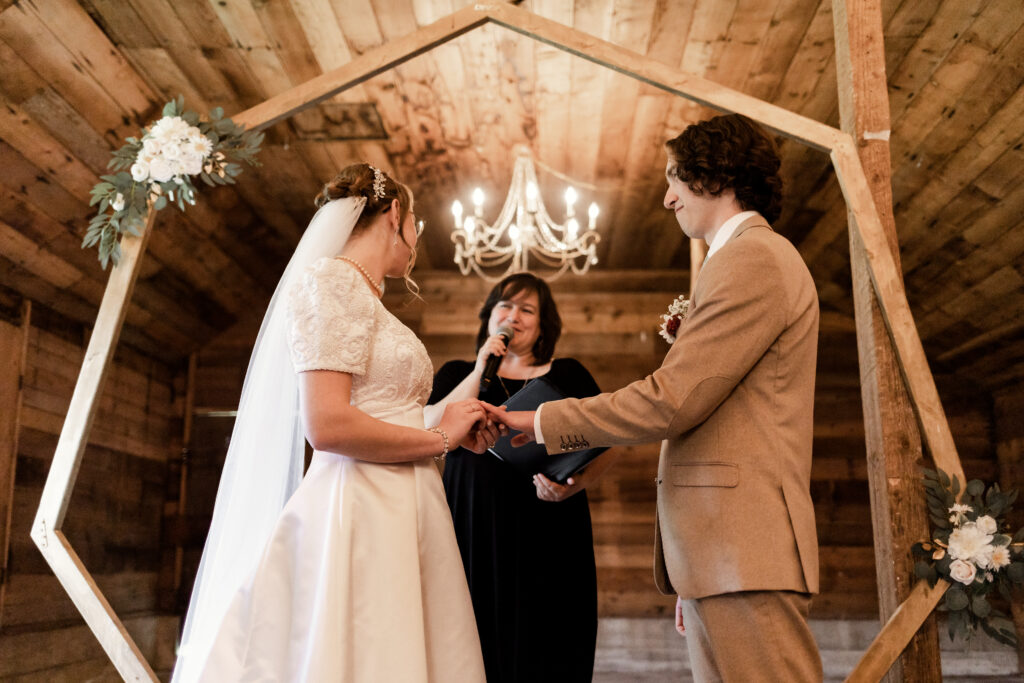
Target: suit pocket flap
723,474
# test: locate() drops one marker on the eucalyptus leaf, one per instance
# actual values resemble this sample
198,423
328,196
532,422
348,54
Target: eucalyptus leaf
975,487
980,607
956,598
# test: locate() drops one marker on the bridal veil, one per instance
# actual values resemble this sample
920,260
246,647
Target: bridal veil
264,463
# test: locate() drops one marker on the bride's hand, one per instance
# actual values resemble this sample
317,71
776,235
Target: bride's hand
467,425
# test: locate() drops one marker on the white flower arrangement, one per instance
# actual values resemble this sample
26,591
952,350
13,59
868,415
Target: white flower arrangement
968,550
671,321
158,168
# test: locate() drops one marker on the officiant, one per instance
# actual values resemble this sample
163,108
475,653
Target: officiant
526,541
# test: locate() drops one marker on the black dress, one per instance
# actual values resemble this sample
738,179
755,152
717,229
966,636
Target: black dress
529,562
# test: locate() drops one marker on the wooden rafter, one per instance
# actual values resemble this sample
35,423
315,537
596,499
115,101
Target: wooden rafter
866,226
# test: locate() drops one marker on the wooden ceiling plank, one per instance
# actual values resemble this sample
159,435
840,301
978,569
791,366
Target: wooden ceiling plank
55,115
326,40
165,77
122,23
904,23
644,185
955,75
916,214
631,28
165,29
84,94
985,117
20,131
1008,249
945,29
552,77
750,24
587,84
778,47
92,52
26,254
287,36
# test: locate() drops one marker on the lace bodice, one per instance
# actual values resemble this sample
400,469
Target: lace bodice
336,323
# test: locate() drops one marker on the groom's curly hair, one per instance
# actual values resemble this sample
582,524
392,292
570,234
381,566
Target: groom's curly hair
730,152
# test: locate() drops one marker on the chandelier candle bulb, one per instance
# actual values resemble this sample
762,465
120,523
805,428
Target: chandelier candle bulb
457,212
593,211
570,200
478,202
531,197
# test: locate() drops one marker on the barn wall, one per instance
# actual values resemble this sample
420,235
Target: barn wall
114,517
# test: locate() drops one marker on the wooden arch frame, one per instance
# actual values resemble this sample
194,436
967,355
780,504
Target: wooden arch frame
866,229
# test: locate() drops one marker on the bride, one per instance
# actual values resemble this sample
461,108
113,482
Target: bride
353,574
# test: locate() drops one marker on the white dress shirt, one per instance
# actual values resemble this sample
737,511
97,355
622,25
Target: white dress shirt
725,231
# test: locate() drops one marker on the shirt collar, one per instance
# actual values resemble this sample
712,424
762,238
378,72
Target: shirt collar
727,230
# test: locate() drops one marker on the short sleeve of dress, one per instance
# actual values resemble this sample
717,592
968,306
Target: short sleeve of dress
331,319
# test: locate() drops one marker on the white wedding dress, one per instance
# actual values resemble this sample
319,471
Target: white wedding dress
362,580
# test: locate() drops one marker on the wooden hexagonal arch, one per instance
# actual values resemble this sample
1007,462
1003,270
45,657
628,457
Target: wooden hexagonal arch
866,230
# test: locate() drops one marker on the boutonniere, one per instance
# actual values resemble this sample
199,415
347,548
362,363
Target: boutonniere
671,321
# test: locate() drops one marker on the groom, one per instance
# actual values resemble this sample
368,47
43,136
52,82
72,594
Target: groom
732,404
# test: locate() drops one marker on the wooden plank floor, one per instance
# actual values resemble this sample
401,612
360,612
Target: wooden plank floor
649,650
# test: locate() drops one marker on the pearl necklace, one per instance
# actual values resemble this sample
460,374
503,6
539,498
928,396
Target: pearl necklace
359,267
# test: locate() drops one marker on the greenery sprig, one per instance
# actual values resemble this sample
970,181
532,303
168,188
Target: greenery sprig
157,168
971,548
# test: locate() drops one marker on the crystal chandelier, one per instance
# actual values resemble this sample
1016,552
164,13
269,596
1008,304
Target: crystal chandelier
523,228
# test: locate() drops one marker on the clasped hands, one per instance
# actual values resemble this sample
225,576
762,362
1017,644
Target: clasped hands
487,423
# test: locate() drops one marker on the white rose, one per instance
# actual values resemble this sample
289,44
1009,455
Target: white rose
968,542
118,202
161,170
151,147
140,171
192,164
987,525
961,571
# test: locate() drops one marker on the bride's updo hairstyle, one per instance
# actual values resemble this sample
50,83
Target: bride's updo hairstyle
357,180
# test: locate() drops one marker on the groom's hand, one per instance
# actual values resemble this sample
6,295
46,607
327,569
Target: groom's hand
517,420
679,616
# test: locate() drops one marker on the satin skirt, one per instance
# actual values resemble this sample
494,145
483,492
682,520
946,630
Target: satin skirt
361,581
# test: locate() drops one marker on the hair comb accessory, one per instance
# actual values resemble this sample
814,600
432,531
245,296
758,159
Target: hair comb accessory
378,182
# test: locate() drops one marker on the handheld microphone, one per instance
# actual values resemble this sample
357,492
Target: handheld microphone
494,360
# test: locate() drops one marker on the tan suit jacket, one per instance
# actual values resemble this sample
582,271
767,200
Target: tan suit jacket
732,403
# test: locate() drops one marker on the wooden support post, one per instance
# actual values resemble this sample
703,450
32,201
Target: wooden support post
1008,421
60,481
698,251
893,441
13,351
186,439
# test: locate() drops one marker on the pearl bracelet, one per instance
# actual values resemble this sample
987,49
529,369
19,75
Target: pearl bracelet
438,430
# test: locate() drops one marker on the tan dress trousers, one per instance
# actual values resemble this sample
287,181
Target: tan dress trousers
751,636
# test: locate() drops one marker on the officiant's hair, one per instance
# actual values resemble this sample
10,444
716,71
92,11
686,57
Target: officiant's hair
730,151
357,181
550,321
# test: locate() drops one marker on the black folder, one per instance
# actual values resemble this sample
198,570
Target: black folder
533,457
